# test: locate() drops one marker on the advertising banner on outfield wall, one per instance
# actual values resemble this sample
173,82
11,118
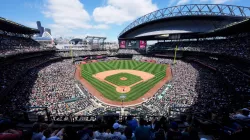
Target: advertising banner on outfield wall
143,44
122,44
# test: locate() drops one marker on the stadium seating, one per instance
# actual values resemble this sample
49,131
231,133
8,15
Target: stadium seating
202,89
11,45
232,47
67,53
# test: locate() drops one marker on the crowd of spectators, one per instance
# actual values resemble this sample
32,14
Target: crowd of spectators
9,72
110,127
78,53
10,45
50,85
53,85
200,89
199,86
233,47
232,75
111,46
127,51
104,128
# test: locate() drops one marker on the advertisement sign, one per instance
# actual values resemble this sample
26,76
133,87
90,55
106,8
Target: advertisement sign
122,44
143,44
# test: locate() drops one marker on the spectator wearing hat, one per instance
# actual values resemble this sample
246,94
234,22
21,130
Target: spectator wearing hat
116,134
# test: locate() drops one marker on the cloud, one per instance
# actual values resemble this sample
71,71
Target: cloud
60,30
68,15
120,11
181,2
74,16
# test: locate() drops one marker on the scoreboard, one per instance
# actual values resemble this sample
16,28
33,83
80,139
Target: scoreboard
132,44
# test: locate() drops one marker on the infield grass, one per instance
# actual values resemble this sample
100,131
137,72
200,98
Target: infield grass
108,91
116,79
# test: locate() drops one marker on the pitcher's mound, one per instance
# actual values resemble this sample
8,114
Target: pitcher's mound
123,78
123,89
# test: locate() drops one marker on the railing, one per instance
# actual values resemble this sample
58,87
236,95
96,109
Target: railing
36,113
177,111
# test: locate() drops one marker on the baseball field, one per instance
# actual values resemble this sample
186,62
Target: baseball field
123,77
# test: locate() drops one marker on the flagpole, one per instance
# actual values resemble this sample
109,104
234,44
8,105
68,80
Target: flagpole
176,48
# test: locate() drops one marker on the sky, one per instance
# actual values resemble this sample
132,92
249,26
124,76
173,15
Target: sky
79,18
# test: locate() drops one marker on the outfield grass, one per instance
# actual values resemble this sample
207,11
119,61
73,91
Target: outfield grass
108,91
131,79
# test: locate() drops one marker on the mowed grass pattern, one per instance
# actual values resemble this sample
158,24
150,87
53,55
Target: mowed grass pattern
108,91
116,79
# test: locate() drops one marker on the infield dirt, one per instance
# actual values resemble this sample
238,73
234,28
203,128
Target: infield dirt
143,98
123,89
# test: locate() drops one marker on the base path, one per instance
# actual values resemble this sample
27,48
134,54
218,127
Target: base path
138,101
123,89
144,75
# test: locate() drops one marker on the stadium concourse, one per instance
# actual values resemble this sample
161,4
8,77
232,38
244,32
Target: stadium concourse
207,95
